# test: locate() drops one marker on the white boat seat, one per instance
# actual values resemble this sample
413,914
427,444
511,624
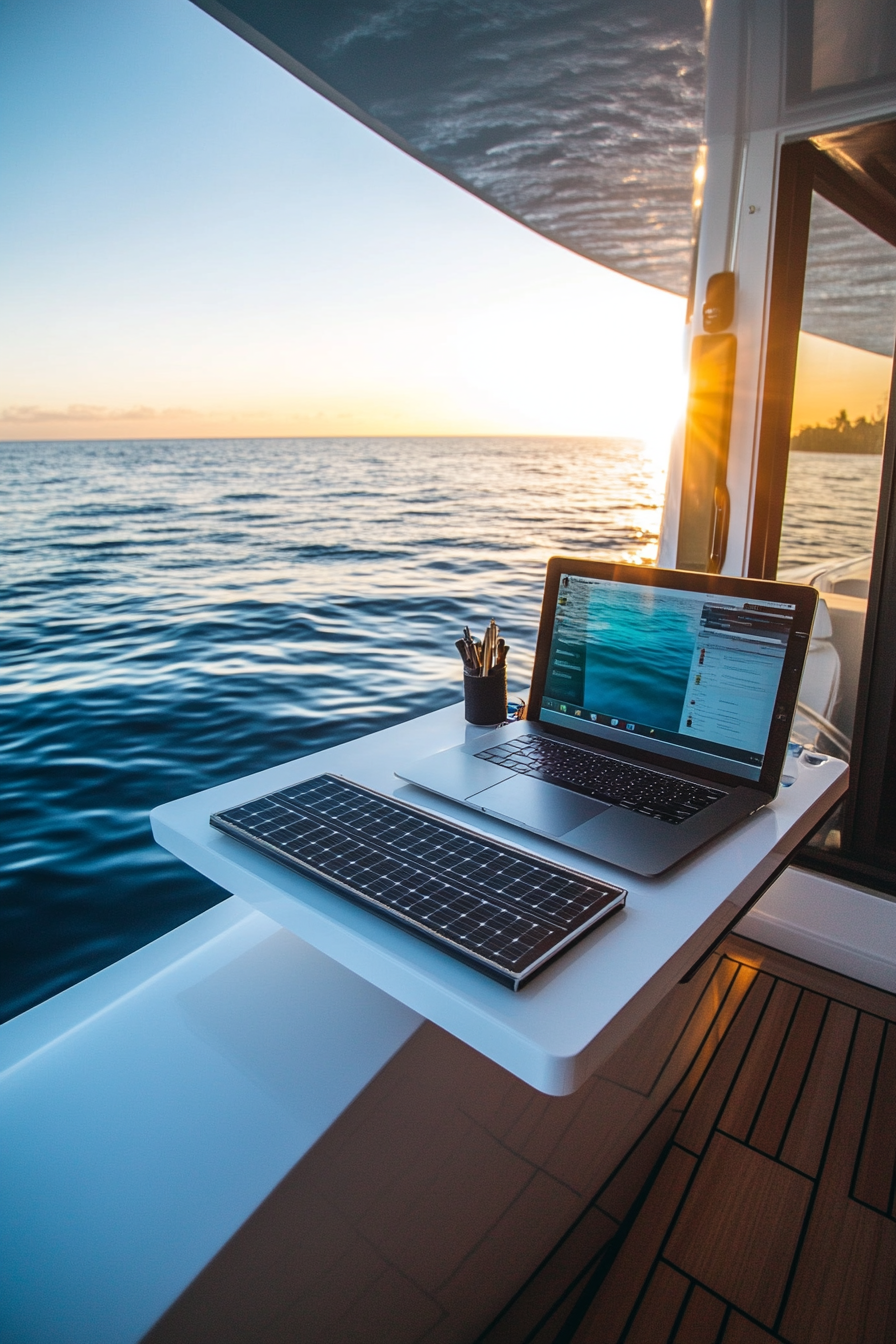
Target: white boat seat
820,686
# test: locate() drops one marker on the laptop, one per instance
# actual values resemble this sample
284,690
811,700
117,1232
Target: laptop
658,717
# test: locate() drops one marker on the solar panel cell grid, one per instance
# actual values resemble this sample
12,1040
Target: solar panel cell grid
490,905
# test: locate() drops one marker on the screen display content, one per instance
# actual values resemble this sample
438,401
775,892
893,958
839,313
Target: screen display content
695,673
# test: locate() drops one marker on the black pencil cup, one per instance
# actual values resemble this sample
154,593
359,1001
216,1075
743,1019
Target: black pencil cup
485,698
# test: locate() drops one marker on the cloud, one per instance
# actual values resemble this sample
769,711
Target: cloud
81,413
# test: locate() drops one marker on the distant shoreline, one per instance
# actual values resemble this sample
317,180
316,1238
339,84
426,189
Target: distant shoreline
862,437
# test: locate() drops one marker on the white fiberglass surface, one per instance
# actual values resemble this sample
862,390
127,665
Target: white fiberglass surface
138,1140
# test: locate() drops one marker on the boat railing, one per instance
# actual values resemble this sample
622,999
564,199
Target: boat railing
834,735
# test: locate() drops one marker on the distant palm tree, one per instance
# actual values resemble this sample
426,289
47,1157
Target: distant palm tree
840,435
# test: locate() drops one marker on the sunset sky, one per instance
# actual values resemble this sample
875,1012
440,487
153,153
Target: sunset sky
831,377
192,243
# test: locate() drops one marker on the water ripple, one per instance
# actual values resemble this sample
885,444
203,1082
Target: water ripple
177,614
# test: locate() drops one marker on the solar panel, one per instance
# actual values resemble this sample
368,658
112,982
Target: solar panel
498,908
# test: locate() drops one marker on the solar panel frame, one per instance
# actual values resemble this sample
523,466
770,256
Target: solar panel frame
309,827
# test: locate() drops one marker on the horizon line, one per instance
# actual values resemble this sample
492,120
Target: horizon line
285,438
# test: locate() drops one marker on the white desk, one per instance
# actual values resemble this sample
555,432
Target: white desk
556,1032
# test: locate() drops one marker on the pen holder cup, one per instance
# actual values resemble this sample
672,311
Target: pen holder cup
485,698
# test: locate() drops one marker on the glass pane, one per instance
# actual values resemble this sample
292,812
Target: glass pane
830,509
852,40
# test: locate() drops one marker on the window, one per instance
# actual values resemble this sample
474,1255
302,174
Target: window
836,44
824,502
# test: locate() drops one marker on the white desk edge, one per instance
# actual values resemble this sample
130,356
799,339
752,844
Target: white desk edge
556,1031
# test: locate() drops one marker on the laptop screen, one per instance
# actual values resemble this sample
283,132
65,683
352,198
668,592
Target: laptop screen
695,673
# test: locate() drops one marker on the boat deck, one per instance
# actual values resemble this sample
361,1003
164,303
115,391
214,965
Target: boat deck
759,1205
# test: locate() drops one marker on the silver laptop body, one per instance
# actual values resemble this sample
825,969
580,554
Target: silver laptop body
658,717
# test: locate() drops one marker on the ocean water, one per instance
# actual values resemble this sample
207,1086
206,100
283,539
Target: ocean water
830,507
175,614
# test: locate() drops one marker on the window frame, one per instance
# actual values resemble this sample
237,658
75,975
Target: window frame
868,852
800,23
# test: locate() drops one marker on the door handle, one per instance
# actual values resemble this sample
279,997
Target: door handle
721,513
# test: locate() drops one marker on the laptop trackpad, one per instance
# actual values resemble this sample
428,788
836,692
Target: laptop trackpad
539,806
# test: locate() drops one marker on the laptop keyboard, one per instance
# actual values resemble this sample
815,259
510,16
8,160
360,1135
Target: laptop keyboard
605,778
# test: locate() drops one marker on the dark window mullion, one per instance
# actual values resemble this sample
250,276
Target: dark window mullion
796,175
875,720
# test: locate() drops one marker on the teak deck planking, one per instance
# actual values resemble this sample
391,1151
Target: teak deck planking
759,1204
725,1177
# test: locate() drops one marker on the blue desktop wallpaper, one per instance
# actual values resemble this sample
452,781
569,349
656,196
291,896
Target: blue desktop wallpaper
638,660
